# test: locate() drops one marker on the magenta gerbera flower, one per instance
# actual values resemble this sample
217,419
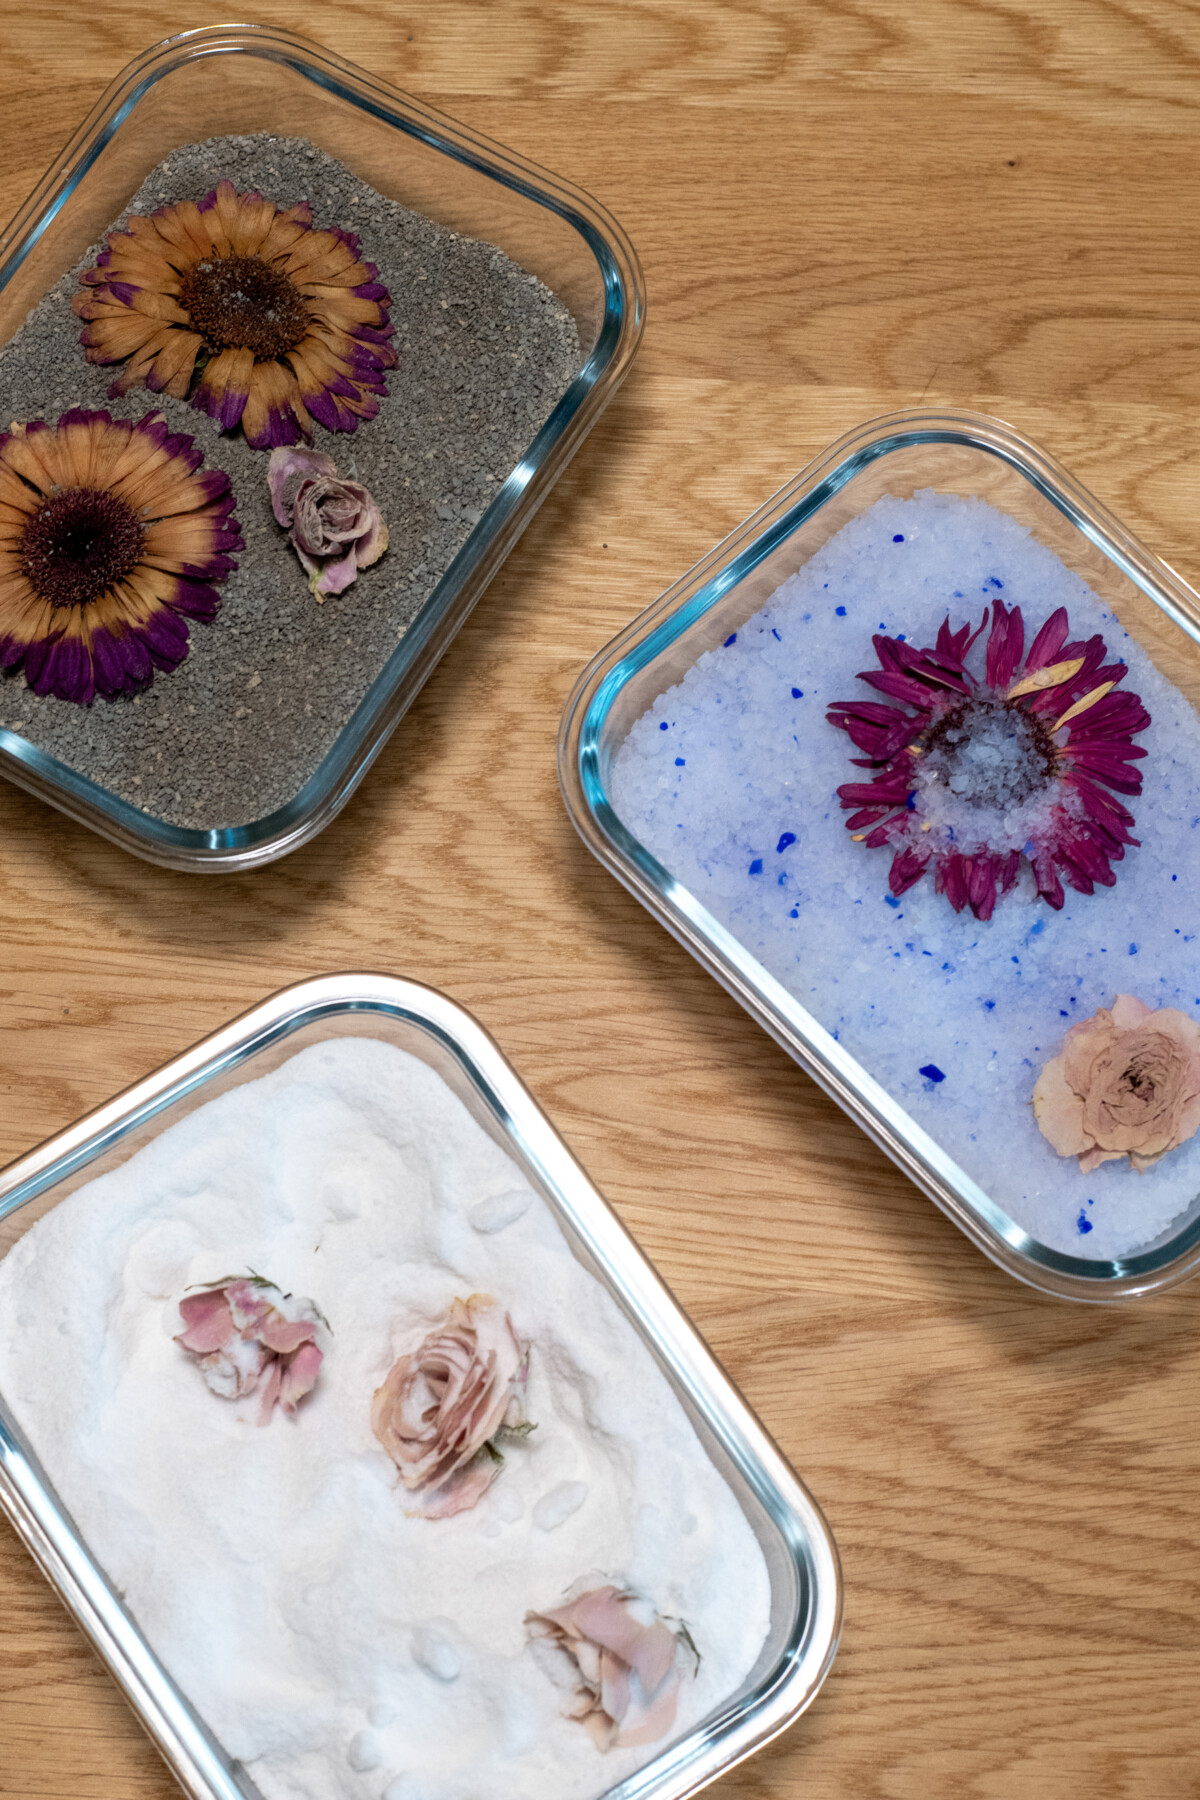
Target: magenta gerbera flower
978,773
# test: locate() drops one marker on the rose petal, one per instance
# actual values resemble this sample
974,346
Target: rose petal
288,467
208,1322
300,1372
1059,1111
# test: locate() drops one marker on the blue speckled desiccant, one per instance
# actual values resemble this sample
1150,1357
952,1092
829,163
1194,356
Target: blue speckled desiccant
931,1072
758,764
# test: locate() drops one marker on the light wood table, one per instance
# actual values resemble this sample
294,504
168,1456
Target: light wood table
842,209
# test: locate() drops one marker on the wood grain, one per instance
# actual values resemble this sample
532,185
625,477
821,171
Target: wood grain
843,208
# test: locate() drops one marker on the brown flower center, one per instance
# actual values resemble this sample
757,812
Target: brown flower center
78,544
989,753
242,303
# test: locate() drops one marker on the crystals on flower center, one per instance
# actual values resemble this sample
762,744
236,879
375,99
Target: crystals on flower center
988,754
79,543
242,303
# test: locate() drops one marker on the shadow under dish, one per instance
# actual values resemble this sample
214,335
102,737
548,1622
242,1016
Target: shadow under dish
485,351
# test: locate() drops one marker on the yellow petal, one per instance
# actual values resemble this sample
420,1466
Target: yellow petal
1081,706
1045,678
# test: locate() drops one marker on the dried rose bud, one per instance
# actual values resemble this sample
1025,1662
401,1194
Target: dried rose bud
1125,1083
441,1406
244,1342
617,1664
335,526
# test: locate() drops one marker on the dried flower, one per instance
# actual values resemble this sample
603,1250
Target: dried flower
617,1663
1125,1083
112,536
336,526
987,773
247,310
245,1342
443,1404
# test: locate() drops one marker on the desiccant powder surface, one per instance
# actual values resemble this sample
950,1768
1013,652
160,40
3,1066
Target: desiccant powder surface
731,780
339,1648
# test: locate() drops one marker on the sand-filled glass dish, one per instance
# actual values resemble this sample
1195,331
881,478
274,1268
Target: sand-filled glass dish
883,487
224,81
800,1557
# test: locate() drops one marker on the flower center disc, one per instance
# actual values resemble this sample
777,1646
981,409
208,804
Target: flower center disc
989,754
78,544
242,303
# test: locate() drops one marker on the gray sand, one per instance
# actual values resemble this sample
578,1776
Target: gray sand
485,353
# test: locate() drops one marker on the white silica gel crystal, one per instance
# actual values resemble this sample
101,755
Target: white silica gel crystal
731,781
339,1648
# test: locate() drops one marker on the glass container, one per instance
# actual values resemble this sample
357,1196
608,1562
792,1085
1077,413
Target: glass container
963,453
250,78
800,1554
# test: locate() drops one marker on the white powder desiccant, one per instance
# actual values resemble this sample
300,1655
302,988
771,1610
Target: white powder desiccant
339,1648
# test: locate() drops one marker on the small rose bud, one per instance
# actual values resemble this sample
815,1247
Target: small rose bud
441,1406
246,1337
1125,1083
617,1665
335,526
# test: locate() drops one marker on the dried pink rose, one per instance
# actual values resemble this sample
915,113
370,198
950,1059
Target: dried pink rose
1125,1083
618,1665
443,1403
336,527
246,1337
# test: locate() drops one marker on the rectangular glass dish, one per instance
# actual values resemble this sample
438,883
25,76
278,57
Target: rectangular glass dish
247,79
957,454
798,1548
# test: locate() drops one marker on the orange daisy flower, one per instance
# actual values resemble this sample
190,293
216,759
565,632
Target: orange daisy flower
111,537
245,309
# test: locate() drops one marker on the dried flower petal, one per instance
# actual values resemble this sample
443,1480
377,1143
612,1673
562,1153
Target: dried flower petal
619,1670
245,1342
245,308
441,1406
336,526
1125,1083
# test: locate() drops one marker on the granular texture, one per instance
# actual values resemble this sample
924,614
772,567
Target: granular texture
485,351
339,1647
731,779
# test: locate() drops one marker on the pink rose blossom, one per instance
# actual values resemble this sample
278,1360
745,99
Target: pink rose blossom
443,1403
617,1664
335,525
244,1343
1125,1083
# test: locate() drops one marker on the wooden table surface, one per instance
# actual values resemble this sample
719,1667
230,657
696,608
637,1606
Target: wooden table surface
843,207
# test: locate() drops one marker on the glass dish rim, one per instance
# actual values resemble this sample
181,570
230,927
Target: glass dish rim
582,784
361,739
782,1693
